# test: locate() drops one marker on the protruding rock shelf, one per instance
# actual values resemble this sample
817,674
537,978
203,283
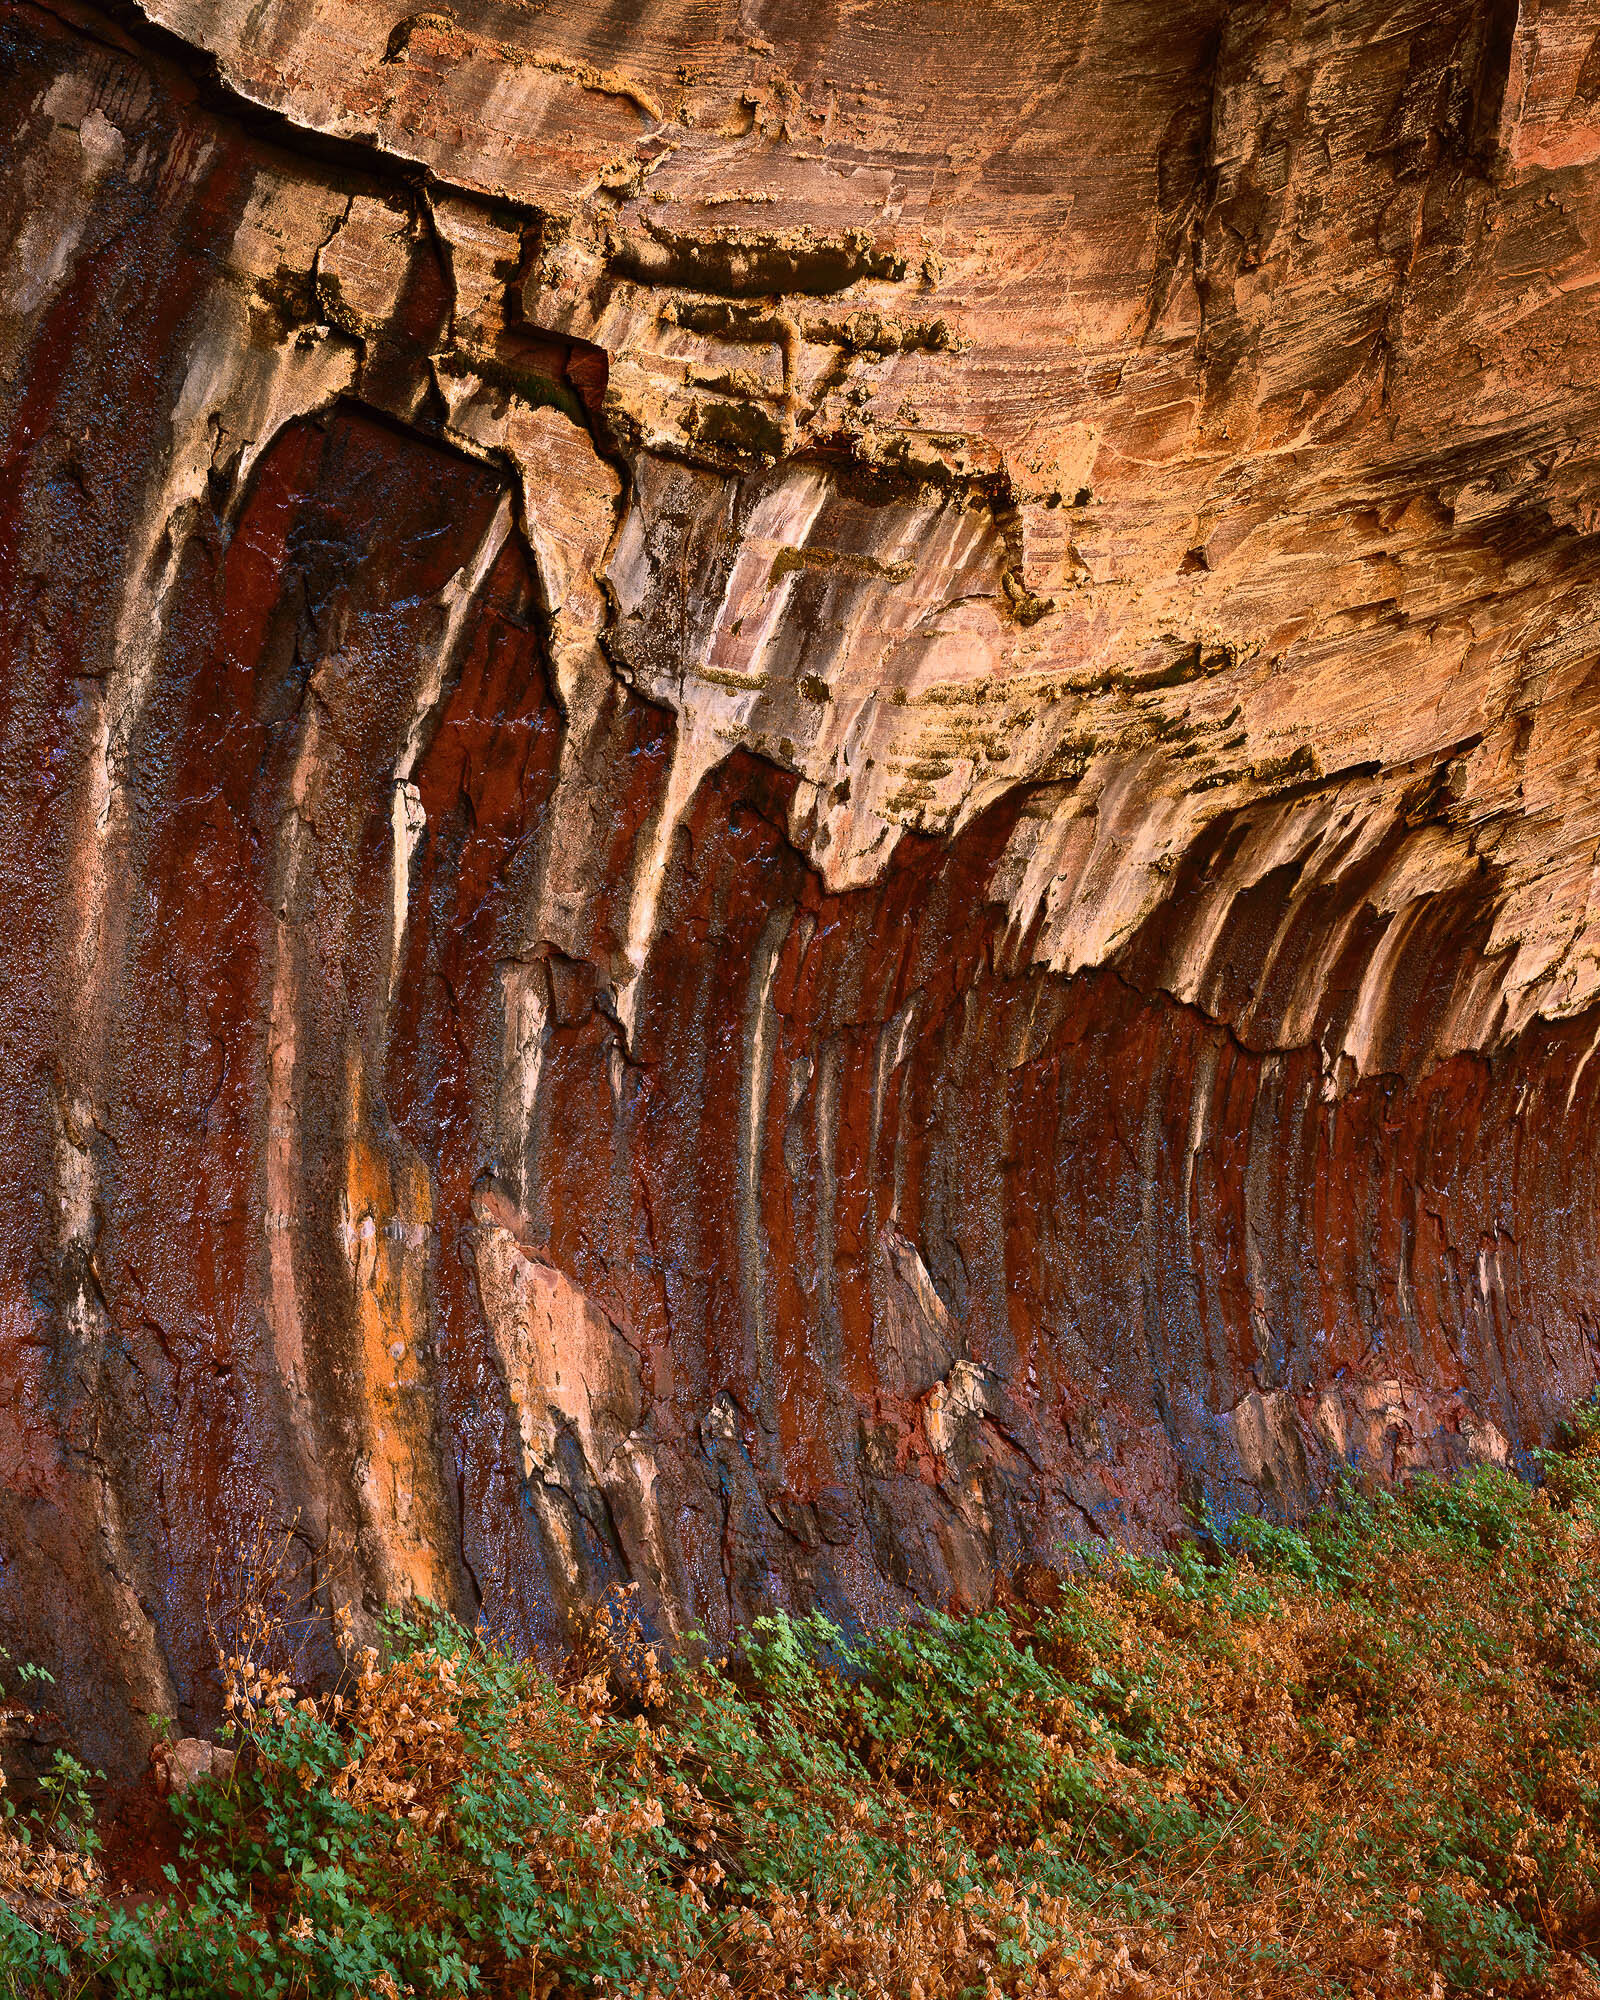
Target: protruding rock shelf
791,798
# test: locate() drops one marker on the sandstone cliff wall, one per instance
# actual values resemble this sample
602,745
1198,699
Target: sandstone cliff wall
792,797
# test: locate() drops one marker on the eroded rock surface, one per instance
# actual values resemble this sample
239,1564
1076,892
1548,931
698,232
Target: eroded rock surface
793,797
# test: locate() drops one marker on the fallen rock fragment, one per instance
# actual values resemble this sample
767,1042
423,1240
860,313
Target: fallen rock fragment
182,1764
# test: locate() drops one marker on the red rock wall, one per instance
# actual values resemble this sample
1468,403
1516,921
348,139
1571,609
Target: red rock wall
462,1105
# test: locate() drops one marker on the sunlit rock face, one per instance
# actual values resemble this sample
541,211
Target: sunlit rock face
794,798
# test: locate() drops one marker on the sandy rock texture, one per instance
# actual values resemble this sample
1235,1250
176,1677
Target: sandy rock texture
793,797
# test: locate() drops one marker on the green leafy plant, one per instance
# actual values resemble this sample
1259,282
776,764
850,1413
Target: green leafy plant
1360,1756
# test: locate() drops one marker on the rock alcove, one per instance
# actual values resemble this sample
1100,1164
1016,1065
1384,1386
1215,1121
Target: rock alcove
792,798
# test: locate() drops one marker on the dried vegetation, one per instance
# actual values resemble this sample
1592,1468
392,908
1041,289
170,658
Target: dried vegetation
1362,1758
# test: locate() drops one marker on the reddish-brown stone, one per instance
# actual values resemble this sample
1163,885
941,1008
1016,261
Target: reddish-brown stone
556,1031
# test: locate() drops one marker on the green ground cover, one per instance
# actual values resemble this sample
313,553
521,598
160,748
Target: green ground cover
1358,1758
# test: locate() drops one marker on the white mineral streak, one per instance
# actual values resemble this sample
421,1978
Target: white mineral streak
281,1219
407,823
525,1014
407,819
234,398
456,601
1205,1078
1258,1258
698,747
140,1652
894,1045
58,190
696,752
755,1091
1583,1063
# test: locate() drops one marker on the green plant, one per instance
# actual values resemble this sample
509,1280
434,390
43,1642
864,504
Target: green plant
1358,1756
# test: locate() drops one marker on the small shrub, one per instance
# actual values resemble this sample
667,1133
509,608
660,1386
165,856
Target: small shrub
1360,1757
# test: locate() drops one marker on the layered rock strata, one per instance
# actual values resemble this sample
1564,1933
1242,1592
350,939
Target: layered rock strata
794,799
